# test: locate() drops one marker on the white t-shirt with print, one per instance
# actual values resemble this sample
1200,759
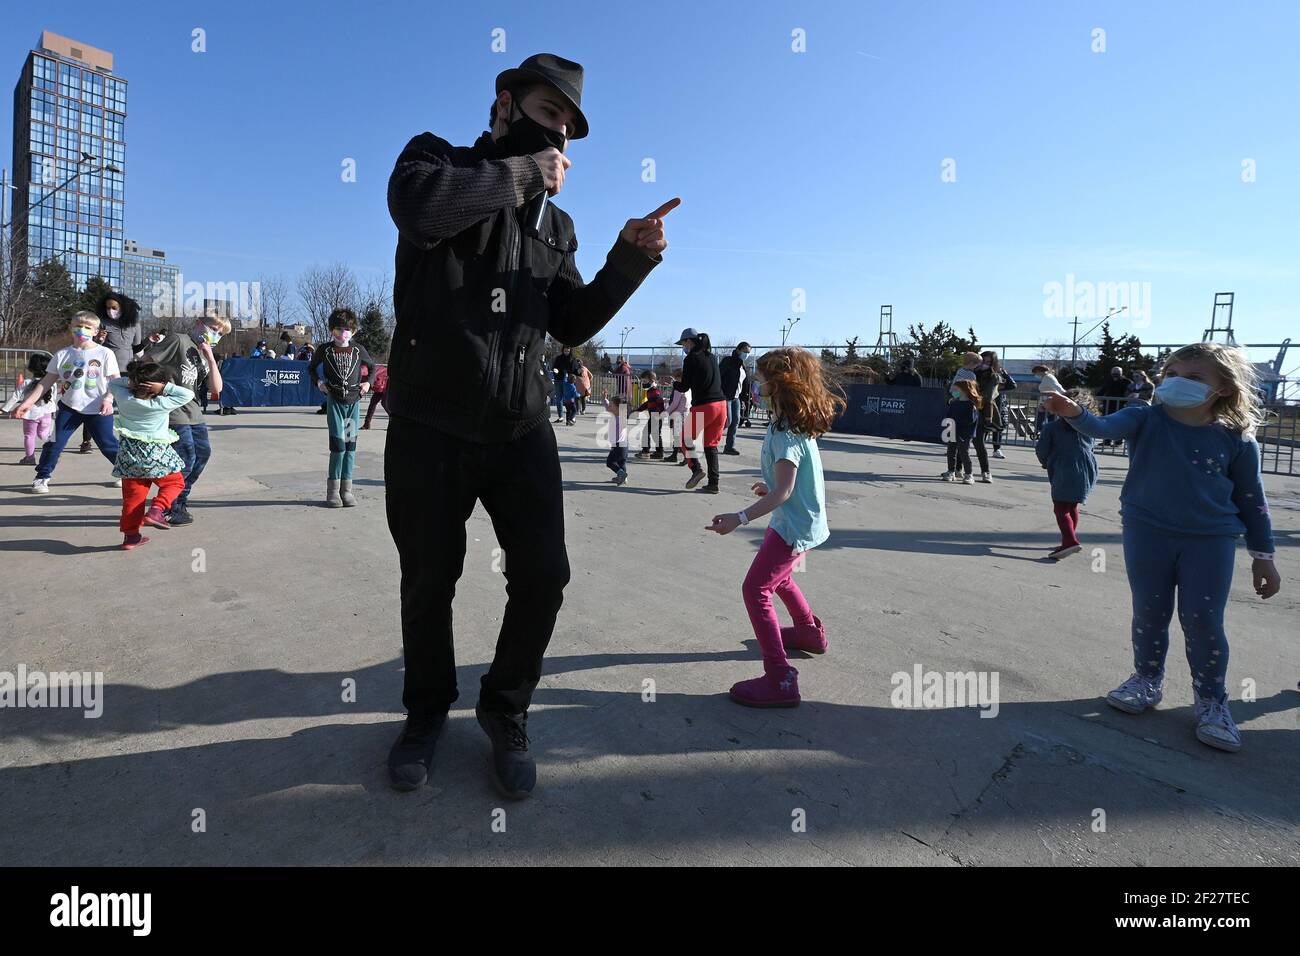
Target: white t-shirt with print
83,375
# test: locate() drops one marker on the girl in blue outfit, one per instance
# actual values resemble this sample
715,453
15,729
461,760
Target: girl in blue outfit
1193,486
1071,471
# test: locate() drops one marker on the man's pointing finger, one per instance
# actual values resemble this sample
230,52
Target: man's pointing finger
665,209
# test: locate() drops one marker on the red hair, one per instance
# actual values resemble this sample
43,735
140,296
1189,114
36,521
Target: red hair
800,394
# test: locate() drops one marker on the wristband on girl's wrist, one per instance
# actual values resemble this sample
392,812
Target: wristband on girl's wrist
744,518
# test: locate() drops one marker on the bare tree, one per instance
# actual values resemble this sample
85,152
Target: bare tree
323,289
277,308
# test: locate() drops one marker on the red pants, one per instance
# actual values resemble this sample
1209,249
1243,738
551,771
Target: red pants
708,420
136,490
1067,519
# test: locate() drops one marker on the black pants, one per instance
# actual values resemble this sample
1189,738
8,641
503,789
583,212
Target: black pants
981,430
616,460
710,461
433,481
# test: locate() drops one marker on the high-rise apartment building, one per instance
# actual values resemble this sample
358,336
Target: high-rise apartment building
69,160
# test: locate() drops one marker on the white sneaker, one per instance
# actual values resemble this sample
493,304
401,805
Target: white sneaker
117,483
1137,694
986,478
998,454
1215,726
41,486
967,480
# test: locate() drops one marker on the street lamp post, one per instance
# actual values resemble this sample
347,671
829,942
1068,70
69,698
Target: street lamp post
622,339
1074,344
785,329
9,294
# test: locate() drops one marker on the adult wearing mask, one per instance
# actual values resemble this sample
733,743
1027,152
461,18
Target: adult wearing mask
1006,384
119,332
988,377
562,366
472,221
119,322
1113,394
708,412
732,369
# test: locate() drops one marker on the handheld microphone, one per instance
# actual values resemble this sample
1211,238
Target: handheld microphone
536,210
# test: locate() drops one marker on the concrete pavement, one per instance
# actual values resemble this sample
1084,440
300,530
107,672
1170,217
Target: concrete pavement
226,670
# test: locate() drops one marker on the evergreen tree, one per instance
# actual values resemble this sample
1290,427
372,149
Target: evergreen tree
936,352
54,297
851,351
1125,352
96,289
372,335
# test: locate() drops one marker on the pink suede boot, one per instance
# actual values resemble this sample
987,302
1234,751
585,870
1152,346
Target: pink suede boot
807,639
776,688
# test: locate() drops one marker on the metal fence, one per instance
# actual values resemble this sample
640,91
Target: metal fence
13,363
1278,437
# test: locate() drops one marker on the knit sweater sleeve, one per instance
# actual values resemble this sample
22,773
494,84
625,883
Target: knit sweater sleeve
1248,496
431,198
579,309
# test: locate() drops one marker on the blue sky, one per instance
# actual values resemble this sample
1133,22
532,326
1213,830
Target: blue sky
818,170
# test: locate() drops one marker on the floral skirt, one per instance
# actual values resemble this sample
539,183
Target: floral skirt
145,459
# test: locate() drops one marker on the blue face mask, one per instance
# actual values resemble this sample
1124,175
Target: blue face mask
1179,392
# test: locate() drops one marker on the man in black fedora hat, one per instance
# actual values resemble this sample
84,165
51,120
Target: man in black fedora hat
485,271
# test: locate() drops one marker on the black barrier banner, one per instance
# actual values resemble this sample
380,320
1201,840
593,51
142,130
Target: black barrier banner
894,411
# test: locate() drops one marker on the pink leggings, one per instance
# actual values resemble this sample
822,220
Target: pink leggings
34,429
772,572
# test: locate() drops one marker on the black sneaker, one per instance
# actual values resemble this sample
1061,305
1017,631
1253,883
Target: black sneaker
513,769
411,758
730,451
179,515
711,490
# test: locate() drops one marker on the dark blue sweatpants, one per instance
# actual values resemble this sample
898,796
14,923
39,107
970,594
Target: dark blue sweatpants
66,423
1199,568
195,449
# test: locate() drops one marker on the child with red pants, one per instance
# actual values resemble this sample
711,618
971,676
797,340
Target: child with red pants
1072,471
145,456
794,493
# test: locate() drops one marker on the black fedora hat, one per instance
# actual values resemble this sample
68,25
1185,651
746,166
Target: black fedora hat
555,71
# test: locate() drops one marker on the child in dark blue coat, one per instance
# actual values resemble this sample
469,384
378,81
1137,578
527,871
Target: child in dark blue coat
1072,471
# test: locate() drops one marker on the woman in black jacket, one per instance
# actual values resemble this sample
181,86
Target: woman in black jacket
708,412
1008,384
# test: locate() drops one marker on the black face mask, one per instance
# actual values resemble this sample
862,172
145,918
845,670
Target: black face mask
527,136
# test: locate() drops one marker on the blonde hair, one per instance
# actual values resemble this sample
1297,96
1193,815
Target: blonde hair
213,317
801,395
84,318
1240,408
1083,398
